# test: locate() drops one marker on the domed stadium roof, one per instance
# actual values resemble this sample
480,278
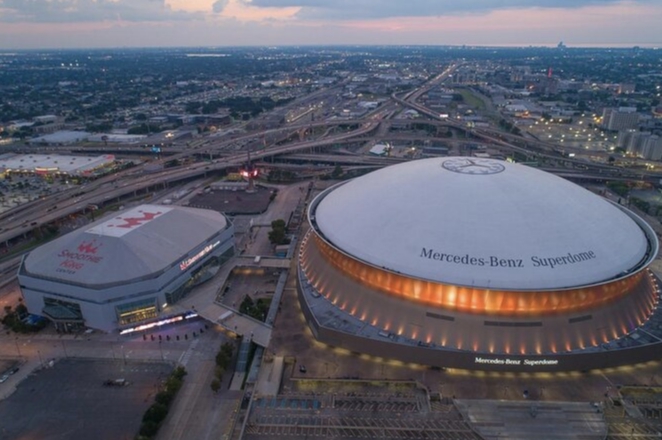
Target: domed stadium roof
483,223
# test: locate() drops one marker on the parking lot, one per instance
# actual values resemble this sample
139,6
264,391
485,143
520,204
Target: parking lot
233,202
69,400
354,409
394,427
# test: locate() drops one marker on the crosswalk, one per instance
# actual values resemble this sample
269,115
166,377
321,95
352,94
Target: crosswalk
186,356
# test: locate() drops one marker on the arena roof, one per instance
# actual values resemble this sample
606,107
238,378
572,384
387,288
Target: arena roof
483,223
130,245
54,163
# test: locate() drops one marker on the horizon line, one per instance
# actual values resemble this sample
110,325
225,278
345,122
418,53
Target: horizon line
620,46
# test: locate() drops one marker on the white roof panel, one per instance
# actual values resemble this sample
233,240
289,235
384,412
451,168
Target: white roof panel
481,222
131,245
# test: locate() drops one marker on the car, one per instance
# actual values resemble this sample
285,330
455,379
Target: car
13,370
302,368
4,377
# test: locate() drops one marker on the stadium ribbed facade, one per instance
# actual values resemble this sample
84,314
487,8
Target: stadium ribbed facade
476,263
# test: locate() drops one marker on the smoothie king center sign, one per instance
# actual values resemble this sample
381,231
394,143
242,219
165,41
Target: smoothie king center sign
76,259
87,251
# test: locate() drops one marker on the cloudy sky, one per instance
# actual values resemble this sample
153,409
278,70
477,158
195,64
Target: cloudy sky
27,24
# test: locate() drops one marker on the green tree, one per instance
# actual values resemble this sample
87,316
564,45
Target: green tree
215,385
149,429
222,360
164,397
278,224
21,310
227,348
156,413
278,234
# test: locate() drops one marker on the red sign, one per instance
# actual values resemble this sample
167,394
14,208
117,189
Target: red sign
131,222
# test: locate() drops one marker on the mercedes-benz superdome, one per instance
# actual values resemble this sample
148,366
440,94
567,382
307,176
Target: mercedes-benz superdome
124,270
478,263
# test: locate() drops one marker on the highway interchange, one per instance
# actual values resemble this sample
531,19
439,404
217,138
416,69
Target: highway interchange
287,140
136,181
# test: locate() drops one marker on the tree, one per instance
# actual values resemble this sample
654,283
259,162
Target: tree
278,224
222,360
215,385
227,348
246,306
278,235
164,397
192,107
156,413
21,310
149,429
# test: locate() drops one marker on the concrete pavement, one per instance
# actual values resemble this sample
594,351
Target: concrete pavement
199,413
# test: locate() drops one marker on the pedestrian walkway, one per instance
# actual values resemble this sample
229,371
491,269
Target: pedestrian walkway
269,377
203,300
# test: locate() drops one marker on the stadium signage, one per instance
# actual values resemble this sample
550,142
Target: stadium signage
509,361
192,260
495,261
85,252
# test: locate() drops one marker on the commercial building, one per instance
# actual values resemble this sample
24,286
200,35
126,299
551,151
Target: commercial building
55,164
478,263
125,270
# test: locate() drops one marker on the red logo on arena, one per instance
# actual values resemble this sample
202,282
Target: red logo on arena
88,247
131,222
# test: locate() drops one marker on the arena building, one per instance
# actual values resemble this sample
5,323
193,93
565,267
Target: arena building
123,271
55,164
479,264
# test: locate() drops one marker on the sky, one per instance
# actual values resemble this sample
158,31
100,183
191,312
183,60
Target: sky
46,24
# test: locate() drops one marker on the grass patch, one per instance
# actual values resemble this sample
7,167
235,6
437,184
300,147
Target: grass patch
471,99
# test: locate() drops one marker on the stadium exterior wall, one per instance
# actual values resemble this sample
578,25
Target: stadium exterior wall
481,332
99,306
439,357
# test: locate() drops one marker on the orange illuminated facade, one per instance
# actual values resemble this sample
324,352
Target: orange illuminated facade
389,269
476,319
479,300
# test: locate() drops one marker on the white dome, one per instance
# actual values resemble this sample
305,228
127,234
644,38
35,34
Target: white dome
480,222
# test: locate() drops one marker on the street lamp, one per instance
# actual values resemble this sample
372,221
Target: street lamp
18,349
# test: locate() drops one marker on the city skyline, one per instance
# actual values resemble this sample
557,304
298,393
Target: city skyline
42,24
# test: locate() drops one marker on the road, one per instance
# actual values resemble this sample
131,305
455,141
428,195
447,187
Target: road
199,413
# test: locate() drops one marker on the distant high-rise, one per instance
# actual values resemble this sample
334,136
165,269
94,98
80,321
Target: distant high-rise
622,118
626,88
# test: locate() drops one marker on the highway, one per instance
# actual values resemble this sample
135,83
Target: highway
25,218
22,220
